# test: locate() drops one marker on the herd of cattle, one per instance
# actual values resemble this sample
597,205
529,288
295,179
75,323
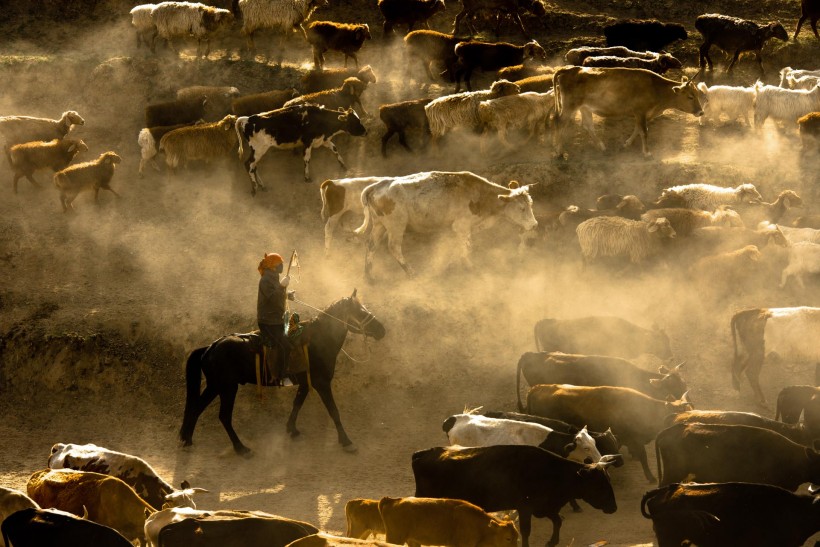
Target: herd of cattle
586,398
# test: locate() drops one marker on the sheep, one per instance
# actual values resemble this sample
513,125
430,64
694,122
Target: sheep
175,112
706,196
492,56
510,7
29,157
726,238
219,99
804,82
408,12
262,102
286,15
788,76
804,258
346,96
725,272
629,207
148,140
793,235
807,221
660,65
539,84
809,128
21,129
577,55
329,36
319,80
524,70
95,174
684,221
610,201
399,117
607,236
724,99
735,35
461,109
809,9
640,35
143,22
200,142
183,19
787,105
429,46
528,111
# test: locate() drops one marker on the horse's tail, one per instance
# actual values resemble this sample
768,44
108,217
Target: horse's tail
193,376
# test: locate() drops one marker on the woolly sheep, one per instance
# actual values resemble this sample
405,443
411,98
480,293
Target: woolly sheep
326,36
627,207
577,55
659,65
788,73
461,109
724,272
183,19
729,100
786,105
684,221
205,141
707,196
262,102
143,21
607,236
793,235
148,140
529,111
95,174
285,15
20,129
348,95
804,258
29,157
319,80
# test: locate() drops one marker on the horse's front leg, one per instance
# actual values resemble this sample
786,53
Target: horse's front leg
326,394
298,401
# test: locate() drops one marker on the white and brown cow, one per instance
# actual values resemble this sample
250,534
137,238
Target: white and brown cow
616,92
791,332
340,196
306,125
435,200
133,471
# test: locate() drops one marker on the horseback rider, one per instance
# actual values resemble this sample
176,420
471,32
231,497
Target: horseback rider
270,313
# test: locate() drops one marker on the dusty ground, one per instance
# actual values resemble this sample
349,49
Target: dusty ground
99,309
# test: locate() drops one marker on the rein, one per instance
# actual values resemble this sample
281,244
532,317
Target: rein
355,328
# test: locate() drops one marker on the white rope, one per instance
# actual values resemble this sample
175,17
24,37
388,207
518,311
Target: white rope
347,324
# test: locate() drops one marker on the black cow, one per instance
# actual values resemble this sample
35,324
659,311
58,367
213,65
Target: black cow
792,400
733,513
41,527
307,126
596,370
726,453
215,531
525,478
611,336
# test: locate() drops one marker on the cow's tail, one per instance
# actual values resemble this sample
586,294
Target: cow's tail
193,377
735,360
366,226
323,192
241,121
448,424
660,468
518,383
646,498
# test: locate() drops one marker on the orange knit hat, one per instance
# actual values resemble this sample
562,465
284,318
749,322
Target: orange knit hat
270,262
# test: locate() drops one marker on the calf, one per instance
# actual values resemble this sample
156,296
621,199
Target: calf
363,518
306,126
239,531
451,522
788,331
611,336
796,433
34,527
634,418
133,471
716,515
734,35
596,370
399,117
330,36
525,478
637,34
340,196
707,453
792,400
492,56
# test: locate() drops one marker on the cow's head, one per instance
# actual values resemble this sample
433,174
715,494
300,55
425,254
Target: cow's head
533,50
671,383
500,533
747,193
681,405
686,97
351,123
517,206
582,448
183,497
594,486
58,453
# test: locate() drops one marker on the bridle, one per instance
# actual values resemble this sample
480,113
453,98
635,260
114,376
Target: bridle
356,326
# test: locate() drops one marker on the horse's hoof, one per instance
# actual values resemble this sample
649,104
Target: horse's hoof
244,451
294,433
350,448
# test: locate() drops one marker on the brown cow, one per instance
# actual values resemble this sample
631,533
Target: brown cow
794,432
634,418
441,521
363,518
615,92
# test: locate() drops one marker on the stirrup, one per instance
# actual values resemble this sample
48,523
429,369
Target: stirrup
285,382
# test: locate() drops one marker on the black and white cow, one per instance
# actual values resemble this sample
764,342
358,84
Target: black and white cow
307,126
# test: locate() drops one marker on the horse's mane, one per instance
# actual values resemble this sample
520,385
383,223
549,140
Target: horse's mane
329,310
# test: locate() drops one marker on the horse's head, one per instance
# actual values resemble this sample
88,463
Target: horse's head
360,321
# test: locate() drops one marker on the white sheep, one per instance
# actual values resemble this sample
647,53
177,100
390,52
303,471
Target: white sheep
685,220
275,14
707,196
27,158
788,72
804,258
529,111
183,19
143,21
94,174
724,99
577,55
204,141
804,82
148,140
20,129
793,235
461,109
786,105
621,237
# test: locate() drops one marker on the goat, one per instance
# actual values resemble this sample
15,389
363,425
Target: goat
577,55
786,105
724,99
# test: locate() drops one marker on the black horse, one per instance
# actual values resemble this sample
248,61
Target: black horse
231,361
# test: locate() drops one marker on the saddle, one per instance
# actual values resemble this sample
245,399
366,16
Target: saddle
266,356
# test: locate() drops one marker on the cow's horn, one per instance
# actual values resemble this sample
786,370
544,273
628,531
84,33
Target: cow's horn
679,365
685,397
